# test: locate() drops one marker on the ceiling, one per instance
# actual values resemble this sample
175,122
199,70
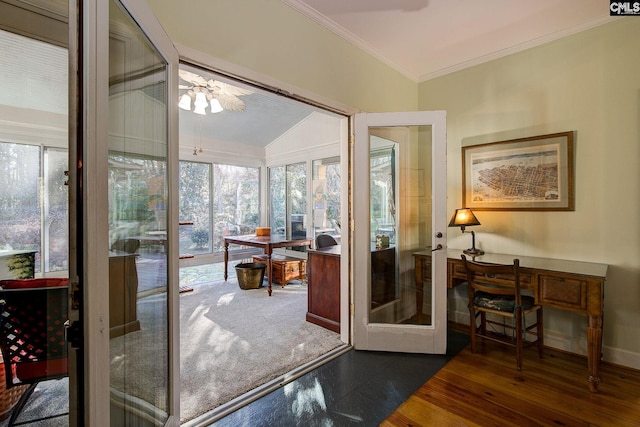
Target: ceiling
424,39
266,117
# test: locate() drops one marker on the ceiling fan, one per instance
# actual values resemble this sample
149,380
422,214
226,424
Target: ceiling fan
216,94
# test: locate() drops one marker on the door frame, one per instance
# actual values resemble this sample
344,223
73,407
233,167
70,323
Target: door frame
90,175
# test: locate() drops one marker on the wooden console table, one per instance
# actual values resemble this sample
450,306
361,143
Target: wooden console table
267,243
567,285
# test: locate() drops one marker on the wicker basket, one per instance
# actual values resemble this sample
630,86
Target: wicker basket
8,397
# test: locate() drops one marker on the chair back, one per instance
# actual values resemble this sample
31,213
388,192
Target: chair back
325,240
504,278
126,245
33,313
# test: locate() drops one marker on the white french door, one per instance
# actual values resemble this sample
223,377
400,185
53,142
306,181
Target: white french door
399,207
125,157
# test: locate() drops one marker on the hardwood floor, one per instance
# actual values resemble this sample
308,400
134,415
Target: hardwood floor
486,389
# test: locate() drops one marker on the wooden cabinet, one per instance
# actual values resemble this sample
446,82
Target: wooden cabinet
383,276
123,294
284,269
323,281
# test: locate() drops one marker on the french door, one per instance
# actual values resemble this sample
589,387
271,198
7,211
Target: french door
399,207
123,139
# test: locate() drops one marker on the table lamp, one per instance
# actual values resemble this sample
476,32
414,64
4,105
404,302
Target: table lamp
464,218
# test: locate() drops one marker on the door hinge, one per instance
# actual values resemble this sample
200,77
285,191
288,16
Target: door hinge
351,309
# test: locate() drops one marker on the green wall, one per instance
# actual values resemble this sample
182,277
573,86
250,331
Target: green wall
588,83
271,38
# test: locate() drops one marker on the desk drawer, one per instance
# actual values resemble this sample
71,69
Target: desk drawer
425,268
501,279
563,292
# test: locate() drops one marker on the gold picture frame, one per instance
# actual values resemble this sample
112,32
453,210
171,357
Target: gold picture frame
527,174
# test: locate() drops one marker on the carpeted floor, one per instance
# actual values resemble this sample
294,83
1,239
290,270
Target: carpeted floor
233,340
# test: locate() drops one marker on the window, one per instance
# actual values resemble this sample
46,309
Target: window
236,202
326,196
137,205
195,208
383,199
288,193
232,206
33,204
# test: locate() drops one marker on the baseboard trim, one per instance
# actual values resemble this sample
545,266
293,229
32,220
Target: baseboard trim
570,344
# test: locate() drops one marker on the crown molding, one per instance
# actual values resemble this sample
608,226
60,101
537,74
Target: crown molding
340,31
332,26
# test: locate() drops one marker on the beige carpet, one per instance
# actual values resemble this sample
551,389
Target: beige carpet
231,341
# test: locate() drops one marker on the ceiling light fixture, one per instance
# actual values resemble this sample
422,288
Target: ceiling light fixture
216,95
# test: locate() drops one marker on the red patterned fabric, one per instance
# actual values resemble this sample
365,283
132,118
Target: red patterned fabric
33,333
47,282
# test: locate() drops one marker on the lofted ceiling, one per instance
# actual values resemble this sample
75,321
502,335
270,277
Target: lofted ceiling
424,39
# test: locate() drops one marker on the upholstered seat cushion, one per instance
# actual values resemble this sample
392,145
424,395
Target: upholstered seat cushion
501,302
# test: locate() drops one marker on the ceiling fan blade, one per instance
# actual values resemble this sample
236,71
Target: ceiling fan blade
192,78
230,102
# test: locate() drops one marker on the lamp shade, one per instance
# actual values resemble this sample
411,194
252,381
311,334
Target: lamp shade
185,102
200,103
462,218
215,106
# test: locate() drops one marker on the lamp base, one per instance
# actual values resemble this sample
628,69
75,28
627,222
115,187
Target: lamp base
473,251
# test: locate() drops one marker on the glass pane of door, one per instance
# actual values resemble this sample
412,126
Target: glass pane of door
400,195
399,192
138,227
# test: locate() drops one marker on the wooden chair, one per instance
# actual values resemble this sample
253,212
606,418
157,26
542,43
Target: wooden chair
495,289
33,313
126,245
325,240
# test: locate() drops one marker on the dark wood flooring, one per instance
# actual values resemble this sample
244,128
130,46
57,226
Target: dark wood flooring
460,389
358,388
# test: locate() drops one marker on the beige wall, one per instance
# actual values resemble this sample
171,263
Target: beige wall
588,83
271,38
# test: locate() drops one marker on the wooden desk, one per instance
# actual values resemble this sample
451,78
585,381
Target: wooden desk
566,285
268,243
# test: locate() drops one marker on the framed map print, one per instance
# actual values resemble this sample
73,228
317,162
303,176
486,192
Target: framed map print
531,174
